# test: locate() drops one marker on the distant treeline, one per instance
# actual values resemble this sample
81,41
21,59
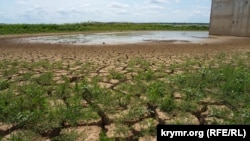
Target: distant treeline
96,26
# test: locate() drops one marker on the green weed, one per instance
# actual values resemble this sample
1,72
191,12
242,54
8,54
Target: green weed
103,137
155,92
72,136
24,136
145,75
4,85
224,81
45,79
168,104
116,75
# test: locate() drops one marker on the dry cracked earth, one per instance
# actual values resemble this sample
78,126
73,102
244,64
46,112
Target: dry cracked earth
112,67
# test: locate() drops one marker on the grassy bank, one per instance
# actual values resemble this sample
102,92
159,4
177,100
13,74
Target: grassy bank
41,100
89,27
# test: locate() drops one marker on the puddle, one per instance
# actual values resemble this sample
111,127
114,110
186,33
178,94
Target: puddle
122,37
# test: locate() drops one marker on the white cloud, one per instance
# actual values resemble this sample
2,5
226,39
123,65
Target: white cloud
33,14
148,8
96,10
179,16
154,7
64,11
177,12
24,3
86,5
196,14
114,8
70,12
158,1
76,11
201,10
122,12
117,5
203,0
136,14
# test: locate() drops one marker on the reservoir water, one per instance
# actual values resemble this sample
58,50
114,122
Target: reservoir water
121,37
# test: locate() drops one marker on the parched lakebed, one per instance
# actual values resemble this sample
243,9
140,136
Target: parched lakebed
120,92
121,37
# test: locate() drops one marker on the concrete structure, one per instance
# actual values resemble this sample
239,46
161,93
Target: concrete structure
230,17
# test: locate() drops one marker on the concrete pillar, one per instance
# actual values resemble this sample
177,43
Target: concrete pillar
230,17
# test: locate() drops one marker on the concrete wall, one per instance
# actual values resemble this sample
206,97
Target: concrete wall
230,17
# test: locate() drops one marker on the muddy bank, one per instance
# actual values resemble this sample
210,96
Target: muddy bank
161,51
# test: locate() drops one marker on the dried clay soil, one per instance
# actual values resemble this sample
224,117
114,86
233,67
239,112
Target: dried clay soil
117,57
162,52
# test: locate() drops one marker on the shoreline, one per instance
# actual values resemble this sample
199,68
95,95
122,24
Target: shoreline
161,52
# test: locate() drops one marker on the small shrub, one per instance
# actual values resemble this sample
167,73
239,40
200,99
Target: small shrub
62,90
4,85
116,75
24,135
103,137
45,79
145,75
155,92
72,136
167,104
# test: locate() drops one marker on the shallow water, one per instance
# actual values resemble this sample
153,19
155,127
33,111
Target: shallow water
122,37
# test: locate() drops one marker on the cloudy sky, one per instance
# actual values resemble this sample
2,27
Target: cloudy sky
73,11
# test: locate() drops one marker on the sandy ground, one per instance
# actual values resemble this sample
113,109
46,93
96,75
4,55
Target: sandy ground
107,54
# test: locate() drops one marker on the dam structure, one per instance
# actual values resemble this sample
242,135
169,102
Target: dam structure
230,17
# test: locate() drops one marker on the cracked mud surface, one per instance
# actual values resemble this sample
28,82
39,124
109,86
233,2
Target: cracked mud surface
123,73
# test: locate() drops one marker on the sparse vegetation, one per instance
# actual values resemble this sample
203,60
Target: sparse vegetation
95,26
36,105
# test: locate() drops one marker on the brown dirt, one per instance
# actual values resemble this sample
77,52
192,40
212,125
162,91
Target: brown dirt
117,57
106,55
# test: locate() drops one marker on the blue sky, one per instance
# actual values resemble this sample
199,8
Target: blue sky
74,11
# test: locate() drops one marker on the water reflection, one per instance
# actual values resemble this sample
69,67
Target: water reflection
122,37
